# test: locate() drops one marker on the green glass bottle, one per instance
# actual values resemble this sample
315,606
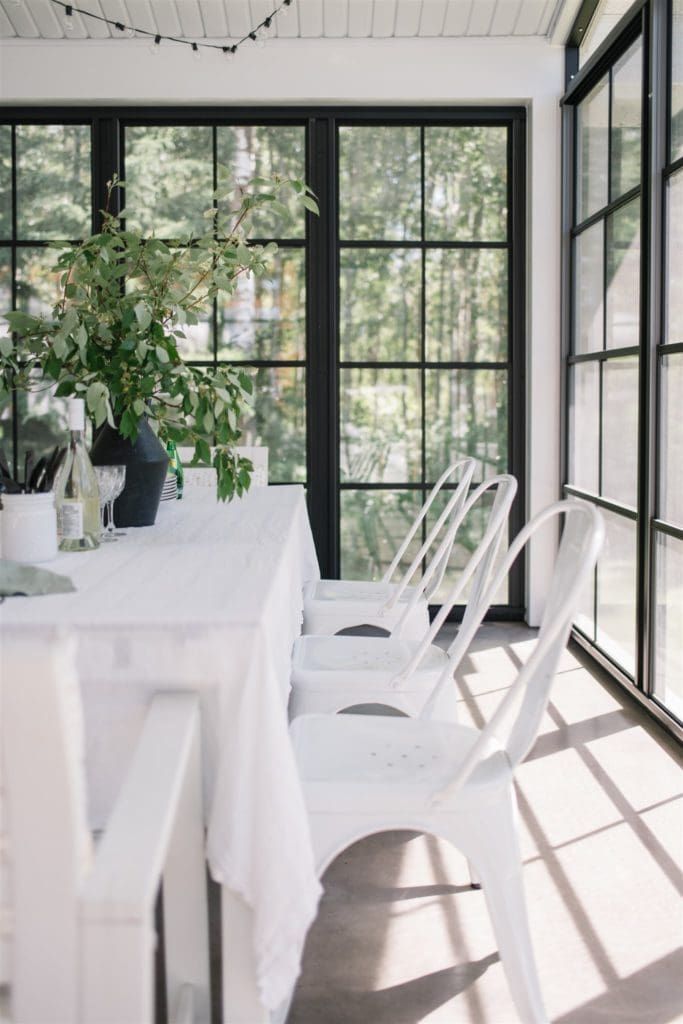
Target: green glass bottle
175,466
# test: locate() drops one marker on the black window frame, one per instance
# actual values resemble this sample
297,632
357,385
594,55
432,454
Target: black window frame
651,19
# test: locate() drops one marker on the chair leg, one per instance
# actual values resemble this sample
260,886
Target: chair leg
474,878
500,872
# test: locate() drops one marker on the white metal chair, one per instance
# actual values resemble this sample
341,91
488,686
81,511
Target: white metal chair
205,476
82,942
331,673
367,774
333,605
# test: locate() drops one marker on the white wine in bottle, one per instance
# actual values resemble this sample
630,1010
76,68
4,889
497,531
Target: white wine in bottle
77,496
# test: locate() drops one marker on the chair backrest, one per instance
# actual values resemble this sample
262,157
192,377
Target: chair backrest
206,475
517,718
478,568
430,580
466,466
49,842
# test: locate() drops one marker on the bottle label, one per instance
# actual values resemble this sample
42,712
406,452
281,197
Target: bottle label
70,520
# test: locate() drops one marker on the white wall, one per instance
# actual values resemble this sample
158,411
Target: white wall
440,72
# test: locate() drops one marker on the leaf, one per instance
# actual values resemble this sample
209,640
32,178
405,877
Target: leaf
81,336
143,315
162,354
6,347
203,450
310,204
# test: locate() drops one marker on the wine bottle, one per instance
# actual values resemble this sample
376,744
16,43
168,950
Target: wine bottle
76,493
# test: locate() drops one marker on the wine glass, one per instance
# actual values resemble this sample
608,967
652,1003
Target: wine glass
118,481
104,485
110,480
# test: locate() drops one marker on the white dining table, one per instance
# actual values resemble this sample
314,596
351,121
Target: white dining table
209,599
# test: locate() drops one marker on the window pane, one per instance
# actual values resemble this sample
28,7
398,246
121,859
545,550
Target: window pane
53,181
584,426
278,421
380,426
627,79
623,276
38,287
588,290
669,623
265,317
592,129
677,80
380,305
469,534
43,423
620,430
466,184
467,305
373,524
670,504
466,414
673,312
5,181
5,288
379,183
169,179
257,150
585,613
198,342
617,591
6,430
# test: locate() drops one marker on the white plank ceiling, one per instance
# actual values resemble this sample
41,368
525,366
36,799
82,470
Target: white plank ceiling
221,20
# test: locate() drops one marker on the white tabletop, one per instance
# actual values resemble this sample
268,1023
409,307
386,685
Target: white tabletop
209,599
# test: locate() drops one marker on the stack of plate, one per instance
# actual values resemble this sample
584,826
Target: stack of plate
170,491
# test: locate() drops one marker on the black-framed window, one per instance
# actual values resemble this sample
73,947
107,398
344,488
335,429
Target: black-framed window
425,257
667,527
422,287
46,196
171,172
623,242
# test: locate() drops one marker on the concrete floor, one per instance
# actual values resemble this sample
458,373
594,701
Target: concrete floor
401,937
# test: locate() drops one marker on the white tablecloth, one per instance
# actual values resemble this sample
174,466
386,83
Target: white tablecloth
207,599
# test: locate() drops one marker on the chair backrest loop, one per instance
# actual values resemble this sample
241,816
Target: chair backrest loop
478,567
433,574
514,724
467,467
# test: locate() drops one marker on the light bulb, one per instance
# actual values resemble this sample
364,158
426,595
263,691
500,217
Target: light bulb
155,46
196,52
69,19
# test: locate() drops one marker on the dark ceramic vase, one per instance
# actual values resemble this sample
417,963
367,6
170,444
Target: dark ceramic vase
146,464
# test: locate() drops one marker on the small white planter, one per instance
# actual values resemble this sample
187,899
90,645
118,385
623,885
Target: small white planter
28,527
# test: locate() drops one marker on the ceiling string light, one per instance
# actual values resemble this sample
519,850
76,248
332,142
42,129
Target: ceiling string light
257,34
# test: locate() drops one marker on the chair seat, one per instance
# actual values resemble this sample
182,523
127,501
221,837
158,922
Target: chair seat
364,591
374,764
332,605
365,664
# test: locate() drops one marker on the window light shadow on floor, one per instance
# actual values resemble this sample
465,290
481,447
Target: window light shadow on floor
401,937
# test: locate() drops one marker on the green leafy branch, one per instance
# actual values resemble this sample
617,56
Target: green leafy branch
126,303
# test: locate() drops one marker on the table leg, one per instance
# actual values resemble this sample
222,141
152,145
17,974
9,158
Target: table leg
241,1003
